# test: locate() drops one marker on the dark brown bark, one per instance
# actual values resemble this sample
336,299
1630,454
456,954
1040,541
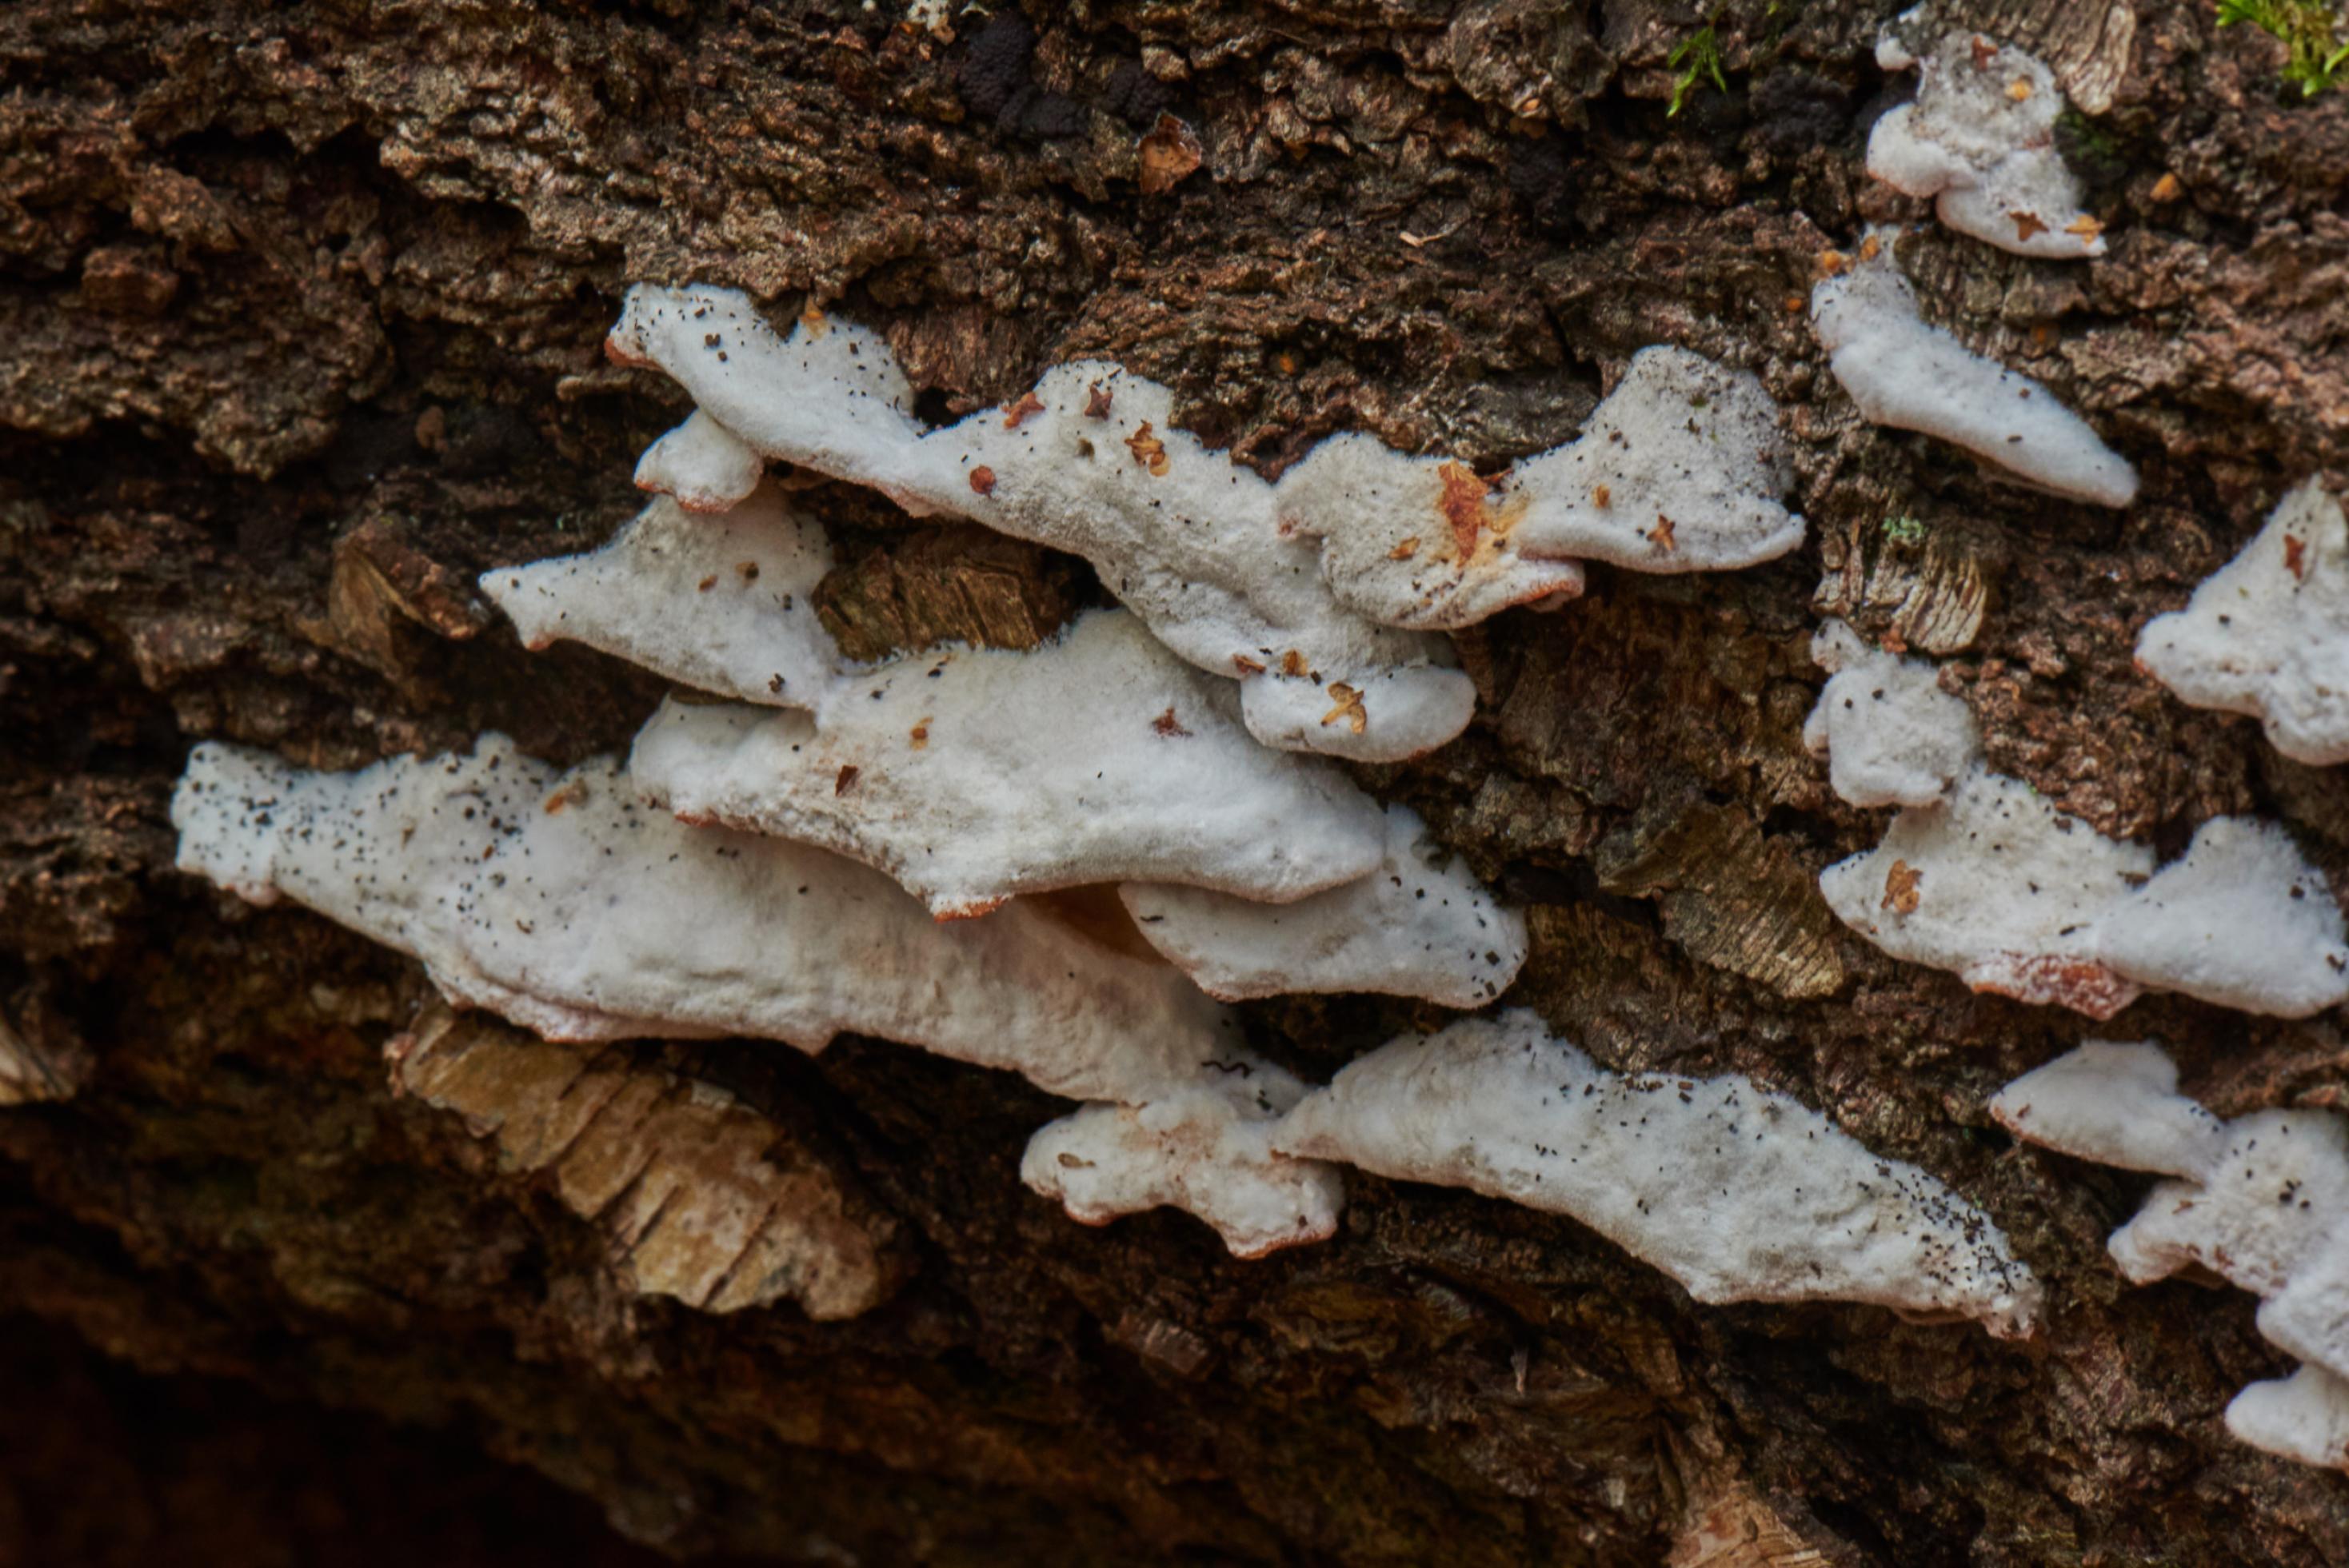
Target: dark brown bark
300,308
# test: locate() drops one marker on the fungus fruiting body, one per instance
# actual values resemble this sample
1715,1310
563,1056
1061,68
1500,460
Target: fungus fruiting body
724,603
2260,1201
1985,878
1185,538
1738,1193
1907,374
1680,470
1416,925
1340,577
561,901
2268,633
1979,139
1208,1150
979,774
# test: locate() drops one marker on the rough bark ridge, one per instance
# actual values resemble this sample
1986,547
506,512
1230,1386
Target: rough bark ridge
300,308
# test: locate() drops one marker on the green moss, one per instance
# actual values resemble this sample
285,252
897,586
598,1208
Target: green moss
2310,30
1905,529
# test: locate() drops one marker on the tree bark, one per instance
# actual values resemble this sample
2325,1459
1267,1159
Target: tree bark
300,319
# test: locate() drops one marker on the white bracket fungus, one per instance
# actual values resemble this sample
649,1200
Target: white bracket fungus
1737,1193
560,902
1087,463
1681,471
724,602
1906,374
1990,881
2260,1201
1208,1150
1981,140
701,1198
1891,736
1418,926
973,775
2268,633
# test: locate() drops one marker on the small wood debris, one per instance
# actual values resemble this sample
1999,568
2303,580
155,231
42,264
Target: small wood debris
982,480
1404,551
2168,187
1662,534
1097,401
571,794
920,735
812,321
1167,725
2295,557
1871,247
2084,226
1901,885
1602,497
2026,224
749,569
1833,263
1020,413
2019,88
847,776
1246,665
708,582
1148,450
1985,53
1168,155
1349,700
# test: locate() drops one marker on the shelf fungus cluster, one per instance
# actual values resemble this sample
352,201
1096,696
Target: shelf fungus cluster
1904,372
2259,1201
1979,139
1069,861
1978,875
1738,1193
1327,591
2268,633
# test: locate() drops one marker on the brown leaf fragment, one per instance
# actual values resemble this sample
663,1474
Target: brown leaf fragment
2295,556
1246,665
1660,536
2026,224
1169,153
1147,449
1097,401
846,777
1349,700
982,480
1020,413
2019,88
1167,725
920,735
1871,247
1602,497
1901,885
708,582
2085,227
1985,52
1831,263
1405,550
1464,508
2168,187
812,320
1292,663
